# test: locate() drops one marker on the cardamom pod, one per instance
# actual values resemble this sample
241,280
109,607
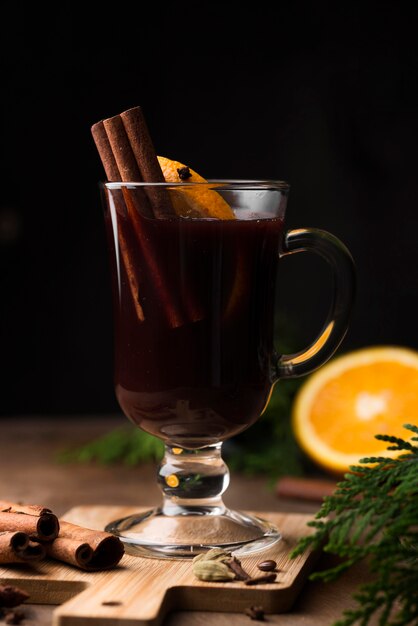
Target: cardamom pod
212,570
214,554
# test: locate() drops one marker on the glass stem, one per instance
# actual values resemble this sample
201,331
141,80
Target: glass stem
193,481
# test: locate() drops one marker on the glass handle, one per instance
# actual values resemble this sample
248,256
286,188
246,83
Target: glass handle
339,258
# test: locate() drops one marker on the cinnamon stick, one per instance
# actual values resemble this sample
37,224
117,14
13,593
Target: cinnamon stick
171,309
119,162
105,151
36,521
28,509
16,547
314,489
88,549
126,163
112,172
146,159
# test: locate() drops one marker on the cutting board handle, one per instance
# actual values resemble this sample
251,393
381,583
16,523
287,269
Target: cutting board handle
115,599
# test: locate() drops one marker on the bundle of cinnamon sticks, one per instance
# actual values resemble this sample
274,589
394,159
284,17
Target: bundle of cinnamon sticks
128,155
31,532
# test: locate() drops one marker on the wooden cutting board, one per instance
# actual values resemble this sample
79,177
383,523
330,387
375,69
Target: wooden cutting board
142,591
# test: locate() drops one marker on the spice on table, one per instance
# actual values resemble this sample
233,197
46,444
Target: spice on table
16,547
267,566
260,580
219,565
255,612
214,554
206,566
11,596
14,617
212,571
235,566
89,549
36,521
86,548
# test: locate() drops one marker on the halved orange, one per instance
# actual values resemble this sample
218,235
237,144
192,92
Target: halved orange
193,201
343,405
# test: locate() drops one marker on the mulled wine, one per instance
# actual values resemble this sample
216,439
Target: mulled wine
204,374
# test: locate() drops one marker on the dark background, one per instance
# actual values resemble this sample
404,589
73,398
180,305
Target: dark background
325,98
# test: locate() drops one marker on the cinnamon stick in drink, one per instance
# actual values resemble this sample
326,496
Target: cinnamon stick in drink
125,160
105,152
16,547
119,162
88,549
36,521
146,159
171,308
112,172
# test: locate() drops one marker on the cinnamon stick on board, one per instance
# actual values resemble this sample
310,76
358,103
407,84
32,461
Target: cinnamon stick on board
85,548
16,547
36,521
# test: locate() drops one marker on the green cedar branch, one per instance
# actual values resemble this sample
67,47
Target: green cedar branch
374,516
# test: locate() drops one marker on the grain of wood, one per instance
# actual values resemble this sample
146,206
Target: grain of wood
142,591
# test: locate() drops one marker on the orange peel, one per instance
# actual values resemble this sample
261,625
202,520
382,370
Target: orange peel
196,201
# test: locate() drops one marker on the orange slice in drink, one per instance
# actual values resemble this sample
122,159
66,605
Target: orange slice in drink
194,201
341,407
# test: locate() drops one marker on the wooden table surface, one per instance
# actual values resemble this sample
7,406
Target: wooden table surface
29,472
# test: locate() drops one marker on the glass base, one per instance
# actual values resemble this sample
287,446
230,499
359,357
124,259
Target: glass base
187,534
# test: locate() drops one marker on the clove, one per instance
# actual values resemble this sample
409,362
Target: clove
260,580
235,566
11,596
14,617
255,612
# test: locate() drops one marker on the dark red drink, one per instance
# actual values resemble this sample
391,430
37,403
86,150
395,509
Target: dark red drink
207,375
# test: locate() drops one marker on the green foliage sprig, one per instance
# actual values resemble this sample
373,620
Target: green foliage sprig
127,444
268,447
375,516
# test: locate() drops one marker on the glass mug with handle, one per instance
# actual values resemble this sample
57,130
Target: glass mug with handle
195,362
